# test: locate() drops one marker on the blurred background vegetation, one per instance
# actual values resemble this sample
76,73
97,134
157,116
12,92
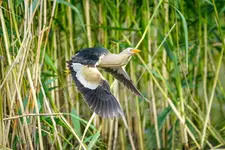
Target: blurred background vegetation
180,70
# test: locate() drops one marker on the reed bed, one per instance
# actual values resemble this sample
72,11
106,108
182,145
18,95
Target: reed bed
180,70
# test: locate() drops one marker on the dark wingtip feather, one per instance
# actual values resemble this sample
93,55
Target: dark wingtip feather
106,108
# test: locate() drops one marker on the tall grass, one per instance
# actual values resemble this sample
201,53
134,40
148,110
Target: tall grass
180,70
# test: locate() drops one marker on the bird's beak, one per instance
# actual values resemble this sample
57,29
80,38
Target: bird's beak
135,50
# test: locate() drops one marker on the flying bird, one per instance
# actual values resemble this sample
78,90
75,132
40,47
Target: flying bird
93,86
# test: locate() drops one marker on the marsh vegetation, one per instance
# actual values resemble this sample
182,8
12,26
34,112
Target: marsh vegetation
180,70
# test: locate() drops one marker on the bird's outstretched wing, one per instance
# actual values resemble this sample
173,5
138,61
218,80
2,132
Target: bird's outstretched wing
121,75
95,90
89,56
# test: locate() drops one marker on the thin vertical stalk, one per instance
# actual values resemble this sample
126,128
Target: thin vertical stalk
87,18
153,94
6,37
100,20
115,134
49,27
71,31
2,138
116,94
155,115
36,108
198,52
205,63
22,110
165,74
52,118
122,139
138,121
87,127
11,7
110,136
183,131
25,28
215,79
129,121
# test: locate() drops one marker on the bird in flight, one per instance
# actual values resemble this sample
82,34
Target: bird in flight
93,86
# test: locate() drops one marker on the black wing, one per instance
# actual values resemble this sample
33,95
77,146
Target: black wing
100,100
89,56
121,75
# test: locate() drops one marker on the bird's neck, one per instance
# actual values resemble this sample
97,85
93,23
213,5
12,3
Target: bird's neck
114,60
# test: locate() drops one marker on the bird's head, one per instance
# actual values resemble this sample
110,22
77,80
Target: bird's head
130,51
117,60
